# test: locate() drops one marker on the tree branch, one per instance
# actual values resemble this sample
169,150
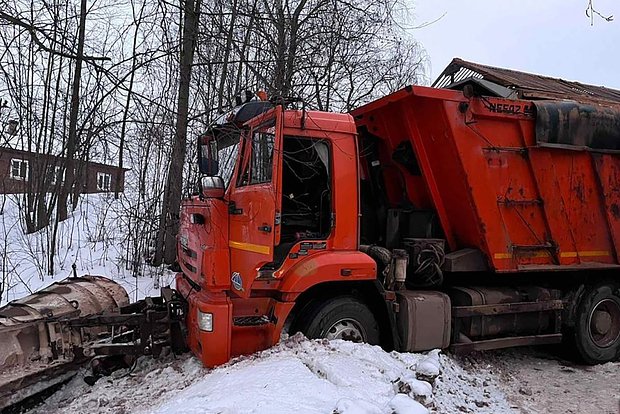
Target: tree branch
33,30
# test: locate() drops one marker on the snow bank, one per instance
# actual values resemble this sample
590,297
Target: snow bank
150,382
94,238
298,375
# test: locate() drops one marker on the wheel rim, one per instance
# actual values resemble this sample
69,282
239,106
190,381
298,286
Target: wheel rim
348,330
604,323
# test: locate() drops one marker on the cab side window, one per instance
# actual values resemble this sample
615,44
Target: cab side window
259,169
243,178
262,157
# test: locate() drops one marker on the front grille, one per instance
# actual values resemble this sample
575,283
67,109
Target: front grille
251,320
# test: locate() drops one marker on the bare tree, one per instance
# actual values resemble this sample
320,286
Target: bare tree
169,220
159,74
591,13
72,143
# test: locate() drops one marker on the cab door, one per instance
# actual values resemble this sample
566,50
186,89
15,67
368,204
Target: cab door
254,202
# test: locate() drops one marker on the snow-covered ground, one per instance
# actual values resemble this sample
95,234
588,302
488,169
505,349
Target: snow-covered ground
298,375
536,380
336,377
94,238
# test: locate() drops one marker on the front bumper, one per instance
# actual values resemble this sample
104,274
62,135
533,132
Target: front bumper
212,347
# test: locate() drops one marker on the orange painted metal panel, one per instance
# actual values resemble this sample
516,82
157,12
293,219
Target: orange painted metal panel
607,169
252,232
213,348
524,206
202,251
326,266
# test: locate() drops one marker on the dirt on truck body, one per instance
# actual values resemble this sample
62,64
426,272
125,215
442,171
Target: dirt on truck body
467,217
475,216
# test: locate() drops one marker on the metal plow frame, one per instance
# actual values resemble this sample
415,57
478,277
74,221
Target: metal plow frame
47,336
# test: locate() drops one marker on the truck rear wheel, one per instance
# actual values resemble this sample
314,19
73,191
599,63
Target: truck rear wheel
597,325
344,318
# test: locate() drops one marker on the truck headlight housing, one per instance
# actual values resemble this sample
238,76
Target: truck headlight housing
205,321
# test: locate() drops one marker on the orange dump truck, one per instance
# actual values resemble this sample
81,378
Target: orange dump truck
429,218
481,213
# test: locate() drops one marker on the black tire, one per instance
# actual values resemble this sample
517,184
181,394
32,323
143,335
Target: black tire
343,315
596,334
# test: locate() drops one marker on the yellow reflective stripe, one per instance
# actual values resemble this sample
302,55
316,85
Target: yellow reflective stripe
583,253
586,253
249,247
509,255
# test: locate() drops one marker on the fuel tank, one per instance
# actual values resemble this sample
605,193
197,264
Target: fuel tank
491,326
424,321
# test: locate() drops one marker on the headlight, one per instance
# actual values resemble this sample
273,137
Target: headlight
205,321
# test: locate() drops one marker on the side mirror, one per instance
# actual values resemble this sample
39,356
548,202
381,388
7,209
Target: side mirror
207,155
212,187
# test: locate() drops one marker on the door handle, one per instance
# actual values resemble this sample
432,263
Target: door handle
265,228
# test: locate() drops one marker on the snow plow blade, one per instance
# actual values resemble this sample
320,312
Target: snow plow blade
38,349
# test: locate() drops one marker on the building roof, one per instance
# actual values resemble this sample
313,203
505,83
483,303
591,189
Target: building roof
527,85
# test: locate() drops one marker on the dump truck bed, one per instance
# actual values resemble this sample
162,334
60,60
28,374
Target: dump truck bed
532,185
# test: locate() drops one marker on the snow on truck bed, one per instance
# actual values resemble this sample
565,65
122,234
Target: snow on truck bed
296,376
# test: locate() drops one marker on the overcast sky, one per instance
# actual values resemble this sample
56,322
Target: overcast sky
550,37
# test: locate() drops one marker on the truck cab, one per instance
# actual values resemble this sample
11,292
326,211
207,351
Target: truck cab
267,224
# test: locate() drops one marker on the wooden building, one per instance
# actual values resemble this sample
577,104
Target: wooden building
23,171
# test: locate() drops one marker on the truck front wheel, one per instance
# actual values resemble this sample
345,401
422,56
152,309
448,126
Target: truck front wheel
344,318
597,328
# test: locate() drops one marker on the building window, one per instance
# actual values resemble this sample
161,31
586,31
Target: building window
19,169
103,181
56,175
